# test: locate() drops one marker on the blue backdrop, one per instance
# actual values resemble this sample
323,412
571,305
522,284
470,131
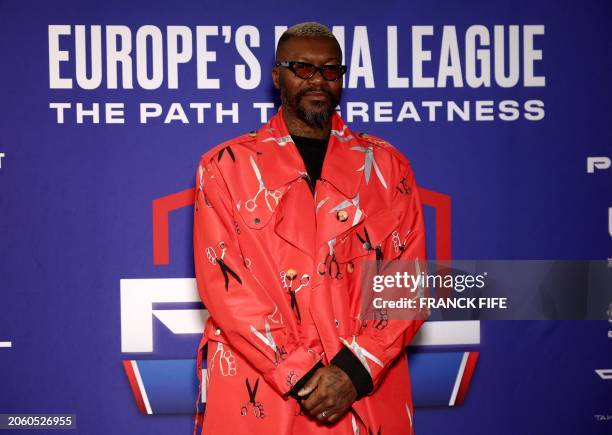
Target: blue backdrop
77,196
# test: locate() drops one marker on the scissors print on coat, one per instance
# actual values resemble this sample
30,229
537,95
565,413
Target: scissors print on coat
258,409
229,152
251,204
398,245
276,316
403,187
280,141
340,134
383,319
320,203
330,265
268,339
362,353
287,279
367,245
201,188
368,163
212,256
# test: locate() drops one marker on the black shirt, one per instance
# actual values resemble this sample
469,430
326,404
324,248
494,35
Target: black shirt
313,153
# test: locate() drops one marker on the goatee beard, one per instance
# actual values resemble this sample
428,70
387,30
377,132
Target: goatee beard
314,118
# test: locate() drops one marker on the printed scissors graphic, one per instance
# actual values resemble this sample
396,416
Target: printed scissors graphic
362,353
212,256
229,151
368,163
340,135
403,187
251,204
303,282
201,189
320,203
384,319
330,263
258,409
269,341
280,141
367,244
398,246
332,266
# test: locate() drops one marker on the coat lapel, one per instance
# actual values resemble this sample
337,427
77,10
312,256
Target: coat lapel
282,166
277,155
338,205
303,223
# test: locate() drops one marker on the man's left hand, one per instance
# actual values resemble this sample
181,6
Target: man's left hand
332,393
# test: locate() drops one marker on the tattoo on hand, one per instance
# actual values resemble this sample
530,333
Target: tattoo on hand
335,383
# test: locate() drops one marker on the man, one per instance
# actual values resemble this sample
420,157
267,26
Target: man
284,218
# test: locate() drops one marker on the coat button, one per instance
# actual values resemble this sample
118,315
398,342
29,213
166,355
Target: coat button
350,267
217,331
291,273
256,221
342,215
367,246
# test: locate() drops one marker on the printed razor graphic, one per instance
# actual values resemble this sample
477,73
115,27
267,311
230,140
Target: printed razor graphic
597,163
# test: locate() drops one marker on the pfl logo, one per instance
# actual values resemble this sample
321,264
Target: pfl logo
599,163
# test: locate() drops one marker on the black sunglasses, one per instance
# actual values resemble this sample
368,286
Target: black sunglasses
304,70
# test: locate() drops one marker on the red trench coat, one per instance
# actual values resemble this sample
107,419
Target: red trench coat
266,249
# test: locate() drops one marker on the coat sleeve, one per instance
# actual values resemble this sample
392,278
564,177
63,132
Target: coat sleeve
238,304
378,344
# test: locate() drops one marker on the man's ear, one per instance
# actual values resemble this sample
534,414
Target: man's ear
276,77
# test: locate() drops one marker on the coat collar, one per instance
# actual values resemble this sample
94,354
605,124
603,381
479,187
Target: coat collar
281,163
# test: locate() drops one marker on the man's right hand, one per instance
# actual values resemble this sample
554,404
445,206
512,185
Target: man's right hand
330,394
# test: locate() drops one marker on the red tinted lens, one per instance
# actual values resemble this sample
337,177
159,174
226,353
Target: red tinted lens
303,70
331,72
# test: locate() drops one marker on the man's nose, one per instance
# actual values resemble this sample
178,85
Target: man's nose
317,77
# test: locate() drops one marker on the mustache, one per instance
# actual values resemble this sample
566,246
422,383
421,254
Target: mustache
303,92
